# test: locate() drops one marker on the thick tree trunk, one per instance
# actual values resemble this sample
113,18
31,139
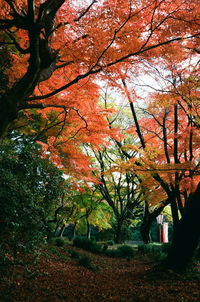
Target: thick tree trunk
7,114
148,219
187,235
145,231
118,230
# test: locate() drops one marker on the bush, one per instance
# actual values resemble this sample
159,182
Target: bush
75,255
160,256
106,242
59,242
165,247
159,250
86,261
112,253
87,244
149,248
110,242
125,251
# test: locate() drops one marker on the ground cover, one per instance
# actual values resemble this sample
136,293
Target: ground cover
60,276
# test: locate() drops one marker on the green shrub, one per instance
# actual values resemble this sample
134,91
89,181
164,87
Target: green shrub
144,248
85,261
110,242
159,250
87,244
75,255
59,242
149,248
112,253
160,256
106,242
125,251
165,247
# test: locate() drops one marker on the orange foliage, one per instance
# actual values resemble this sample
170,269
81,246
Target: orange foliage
106,38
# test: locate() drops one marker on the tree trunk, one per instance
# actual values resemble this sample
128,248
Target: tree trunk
146,224
118,230
74,229
145,231
61,230
187,235
88,229
7,114
148,219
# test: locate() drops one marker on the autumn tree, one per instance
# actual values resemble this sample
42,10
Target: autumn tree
58,49
54,45
168,157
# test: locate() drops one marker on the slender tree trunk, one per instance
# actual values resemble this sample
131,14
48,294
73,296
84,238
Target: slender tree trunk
61,230
187,235
146,224
88,229
74,230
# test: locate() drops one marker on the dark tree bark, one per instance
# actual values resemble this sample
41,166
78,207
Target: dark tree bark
187,235
118,230
148,219
146,224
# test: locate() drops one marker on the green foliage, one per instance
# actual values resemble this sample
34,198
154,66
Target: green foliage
107,242
107,234
165,247
114,253
122,251
75,254
59,242
87,244
29,188
85,261
125,251
159,250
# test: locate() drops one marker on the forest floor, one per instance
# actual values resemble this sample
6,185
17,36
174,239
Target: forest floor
61,278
